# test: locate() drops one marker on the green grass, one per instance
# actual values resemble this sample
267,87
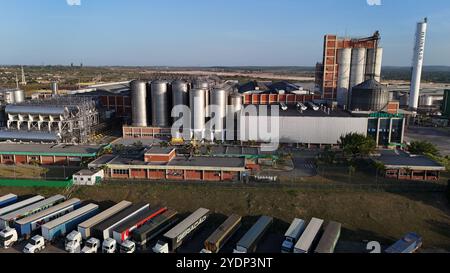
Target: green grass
34,183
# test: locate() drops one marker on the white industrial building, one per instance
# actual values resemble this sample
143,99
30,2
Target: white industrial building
88,177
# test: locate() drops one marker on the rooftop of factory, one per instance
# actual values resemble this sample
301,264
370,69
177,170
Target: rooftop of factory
159,150
293,112
50,149
87,172
394,159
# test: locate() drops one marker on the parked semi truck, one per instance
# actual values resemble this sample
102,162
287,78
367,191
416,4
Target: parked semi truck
292,235
330,238
8,199
20,204
73,242
249,242
68,222
153,228
410,243
306,241
175,237
9,219
222,234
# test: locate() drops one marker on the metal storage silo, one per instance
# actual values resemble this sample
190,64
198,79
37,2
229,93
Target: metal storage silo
160,105
369,96
343,85
198,113
203,84
180,93
54,87
219,99
373,64
139,103
19,96
234,112
357,68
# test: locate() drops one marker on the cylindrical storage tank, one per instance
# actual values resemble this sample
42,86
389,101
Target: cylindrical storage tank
198,113
19,96
54,88
426,101
160,105
218,110
404,100
180,93
373,63
343,84
369,96
357,68
234,112
9,97
419,51
203,84
139,103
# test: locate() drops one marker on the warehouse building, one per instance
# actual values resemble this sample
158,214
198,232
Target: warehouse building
47,154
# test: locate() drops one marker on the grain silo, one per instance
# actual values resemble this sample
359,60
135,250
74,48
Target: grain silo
159,101
369,96
139,103
373,63
343,84
198,113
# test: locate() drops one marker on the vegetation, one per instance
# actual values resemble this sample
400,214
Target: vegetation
423,148
357,145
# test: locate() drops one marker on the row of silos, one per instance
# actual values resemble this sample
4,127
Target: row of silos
355,65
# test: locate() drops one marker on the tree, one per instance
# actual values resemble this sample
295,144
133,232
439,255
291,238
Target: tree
423,148
357,145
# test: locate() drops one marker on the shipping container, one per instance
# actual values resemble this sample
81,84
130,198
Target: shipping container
7,200
68,222
330,238
20,204
306,241
104,230
410,243
27,225
122,232
186,228
249,242
153,228
85,227
8,220
223,233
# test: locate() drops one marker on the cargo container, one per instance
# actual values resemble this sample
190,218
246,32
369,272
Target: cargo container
20,204
175,237
249,242
9,219
223,233
104,230
7,200
292,235
330,238
153,228
28,225
410,243
85,227
122,231
306,241
68,222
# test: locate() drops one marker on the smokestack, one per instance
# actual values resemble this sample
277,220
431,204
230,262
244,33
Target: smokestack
419,51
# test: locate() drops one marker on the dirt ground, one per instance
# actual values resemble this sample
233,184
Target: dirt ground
366,216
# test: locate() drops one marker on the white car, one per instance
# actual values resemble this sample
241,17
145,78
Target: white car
35,245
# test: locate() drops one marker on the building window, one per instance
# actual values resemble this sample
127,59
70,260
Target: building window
7,157
121,172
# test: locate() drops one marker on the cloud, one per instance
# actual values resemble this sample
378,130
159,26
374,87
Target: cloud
374,2
73,2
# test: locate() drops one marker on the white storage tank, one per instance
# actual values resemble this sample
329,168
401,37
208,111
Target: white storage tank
343,85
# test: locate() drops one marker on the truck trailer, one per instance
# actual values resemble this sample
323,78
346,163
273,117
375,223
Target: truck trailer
249,242
175,237
292,235
305,242
9,219
68,222
28,225
222,234
20,204
153,228
122,231
410,243
330,238
104,230
85,227
8,199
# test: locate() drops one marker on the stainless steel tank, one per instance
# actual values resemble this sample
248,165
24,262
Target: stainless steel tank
19,96
139,103
357,69
54,88
218,110
373,63
198,113
369,96
234,113
180,93
203,84
160,105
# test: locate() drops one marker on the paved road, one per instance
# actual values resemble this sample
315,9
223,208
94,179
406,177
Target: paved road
438,136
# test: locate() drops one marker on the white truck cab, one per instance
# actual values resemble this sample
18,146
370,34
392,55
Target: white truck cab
127,247
35,245
161,247
205,251
8,237
73,242
109,246
92,246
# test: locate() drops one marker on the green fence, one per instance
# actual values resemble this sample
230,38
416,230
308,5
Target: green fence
35,183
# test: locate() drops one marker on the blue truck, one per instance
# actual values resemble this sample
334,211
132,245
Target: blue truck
7,199
410,243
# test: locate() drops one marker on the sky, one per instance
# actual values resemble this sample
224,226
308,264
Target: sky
212,32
